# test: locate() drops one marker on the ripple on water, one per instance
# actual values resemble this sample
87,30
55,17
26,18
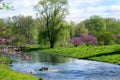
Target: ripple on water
74,69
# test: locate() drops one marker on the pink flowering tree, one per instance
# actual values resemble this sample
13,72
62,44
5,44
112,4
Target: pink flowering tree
3,40
7,40
76,41
89,39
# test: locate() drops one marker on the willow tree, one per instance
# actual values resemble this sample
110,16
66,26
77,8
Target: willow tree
51,14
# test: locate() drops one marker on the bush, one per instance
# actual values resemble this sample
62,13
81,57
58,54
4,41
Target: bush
106,38
84,39
89,39
76,41
117,38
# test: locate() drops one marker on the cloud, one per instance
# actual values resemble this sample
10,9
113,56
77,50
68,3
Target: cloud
23,7
24,3
83,9
115,7
78,9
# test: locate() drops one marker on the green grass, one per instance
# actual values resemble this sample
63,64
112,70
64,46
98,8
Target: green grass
7,74
108,53
6,60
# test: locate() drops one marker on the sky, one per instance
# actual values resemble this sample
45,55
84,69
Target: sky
78,9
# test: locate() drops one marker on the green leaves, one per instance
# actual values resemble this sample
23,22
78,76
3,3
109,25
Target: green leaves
52,14
6,6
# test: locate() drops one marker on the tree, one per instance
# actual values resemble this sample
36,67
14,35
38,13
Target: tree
76,41
24,28
80,29
6,34
89,39
71,29
113,25
106,38
2,28
52,14
5,5
117,38
96,24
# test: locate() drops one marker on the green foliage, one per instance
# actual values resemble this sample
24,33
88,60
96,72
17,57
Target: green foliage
24,27
5,30
106,38
5,6
6,60
7,74
80,29
97,23
52,14
113,25
71,29
2,28
117,38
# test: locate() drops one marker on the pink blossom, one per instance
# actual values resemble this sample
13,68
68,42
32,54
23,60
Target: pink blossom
76,41
89,39
2,40
5,50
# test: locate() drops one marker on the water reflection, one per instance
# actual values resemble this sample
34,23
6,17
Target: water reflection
50,59
12,52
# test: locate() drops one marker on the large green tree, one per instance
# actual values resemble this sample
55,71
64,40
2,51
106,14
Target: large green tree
24,27
113,25
51,14
106,38
96,24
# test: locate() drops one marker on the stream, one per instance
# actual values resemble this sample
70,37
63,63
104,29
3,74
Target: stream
62,68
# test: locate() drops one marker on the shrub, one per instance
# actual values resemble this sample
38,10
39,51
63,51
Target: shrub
106,38
89,39
117,38
76,41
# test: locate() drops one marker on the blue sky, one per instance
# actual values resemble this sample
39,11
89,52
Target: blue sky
78,9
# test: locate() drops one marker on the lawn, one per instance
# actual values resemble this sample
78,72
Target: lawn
7,74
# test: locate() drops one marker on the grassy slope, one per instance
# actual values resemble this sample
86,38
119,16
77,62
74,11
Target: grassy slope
110,53
7,74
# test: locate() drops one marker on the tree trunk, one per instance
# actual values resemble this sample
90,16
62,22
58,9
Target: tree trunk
51,44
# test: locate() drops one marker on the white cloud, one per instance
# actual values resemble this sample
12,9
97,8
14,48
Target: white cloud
115,7
78,9
24,3
23,7
83,9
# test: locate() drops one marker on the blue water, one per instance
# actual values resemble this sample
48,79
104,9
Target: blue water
66,68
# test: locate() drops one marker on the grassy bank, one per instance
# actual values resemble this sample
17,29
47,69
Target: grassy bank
7,74
109,53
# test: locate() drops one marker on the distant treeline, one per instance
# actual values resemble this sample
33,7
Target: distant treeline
93,31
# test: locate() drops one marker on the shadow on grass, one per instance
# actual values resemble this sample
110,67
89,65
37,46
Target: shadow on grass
103,54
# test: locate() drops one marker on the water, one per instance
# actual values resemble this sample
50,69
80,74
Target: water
66,68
